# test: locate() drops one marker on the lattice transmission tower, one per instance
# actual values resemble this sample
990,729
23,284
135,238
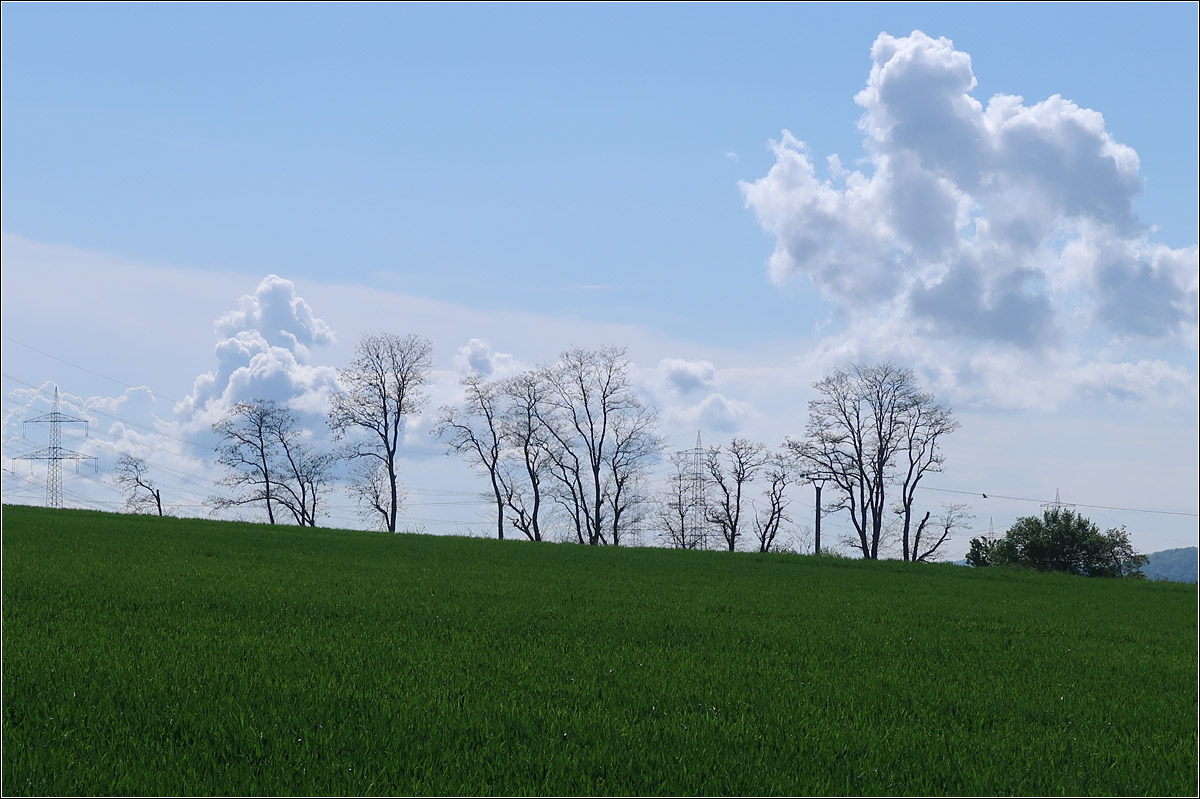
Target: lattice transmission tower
1057,504
54,454
696,527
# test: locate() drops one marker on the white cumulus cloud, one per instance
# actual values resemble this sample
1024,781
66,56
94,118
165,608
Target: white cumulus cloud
263,353
687,376
477,357
715,412
982,239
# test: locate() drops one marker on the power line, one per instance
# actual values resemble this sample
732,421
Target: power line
429,452
1079,504
89,371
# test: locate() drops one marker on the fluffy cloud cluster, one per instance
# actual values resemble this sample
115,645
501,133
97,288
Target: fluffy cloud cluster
687,376
477,357
263,353
689,396
1006,229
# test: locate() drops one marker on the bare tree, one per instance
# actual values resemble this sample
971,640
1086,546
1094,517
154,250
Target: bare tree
383,385
863,422
475,430
923,424
302,473
247,451
635,445
140,491
268,462
679,509
928,538
600,436
523,427
375,494
766,528
732,470
567,489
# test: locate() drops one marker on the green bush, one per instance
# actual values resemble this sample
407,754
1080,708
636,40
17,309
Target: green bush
1061,541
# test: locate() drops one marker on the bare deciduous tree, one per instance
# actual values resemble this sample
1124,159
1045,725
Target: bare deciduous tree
302,473
600,437
475,430
922,426
140,492
262,447
247,452
732,469
679,510
527,433
376,496
766,527
635,444
953,517
865,421
382,386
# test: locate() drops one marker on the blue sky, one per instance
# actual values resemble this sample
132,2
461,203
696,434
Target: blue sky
522,165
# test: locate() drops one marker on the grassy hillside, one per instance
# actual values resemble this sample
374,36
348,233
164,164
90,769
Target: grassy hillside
169,656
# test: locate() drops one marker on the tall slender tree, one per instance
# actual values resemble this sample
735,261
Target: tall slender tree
475,430
302,472
247,451
382,387
678,509
528,470
766,525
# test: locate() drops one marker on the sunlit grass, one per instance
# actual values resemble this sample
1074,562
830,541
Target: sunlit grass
146,656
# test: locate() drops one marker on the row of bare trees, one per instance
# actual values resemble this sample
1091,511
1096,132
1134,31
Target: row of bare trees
569,440
570,445
707,497
270,462
872,436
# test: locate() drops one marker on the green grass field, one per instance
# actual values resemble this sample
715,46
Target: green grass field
147,656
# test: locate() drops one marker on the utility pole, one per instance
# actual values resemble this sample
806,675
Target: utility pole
55,454
818,483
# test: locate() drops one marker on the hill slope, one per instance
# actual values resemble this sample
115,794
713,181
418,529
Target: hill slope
170,656
1177,565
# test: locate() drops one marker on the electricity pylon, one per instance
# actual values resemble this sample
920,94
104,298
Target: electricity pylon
1057,504
695,521
54,454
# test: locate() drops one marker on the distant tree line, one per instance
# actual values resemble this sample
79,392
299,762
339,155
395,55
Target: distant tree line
568,450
